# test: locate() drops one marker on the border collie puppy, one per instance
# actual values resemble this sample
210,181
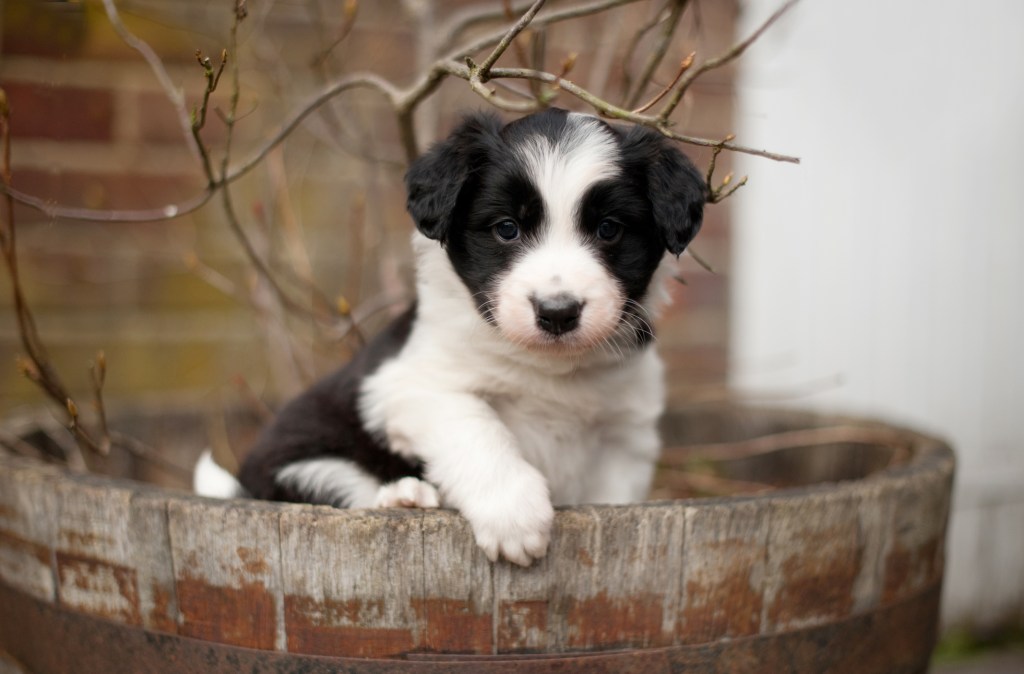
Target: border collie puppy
525,374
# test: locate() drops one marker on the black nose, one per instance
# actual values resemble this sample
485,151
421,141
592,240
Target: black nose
558,314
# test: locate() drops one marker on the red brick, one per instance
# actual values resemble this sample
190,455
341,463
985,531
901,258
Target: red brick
43,28
158,120
107,190
81,30
60,113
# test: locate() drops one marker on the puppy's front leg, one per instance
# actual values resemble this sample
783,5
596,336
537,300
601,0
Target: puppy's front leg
473,458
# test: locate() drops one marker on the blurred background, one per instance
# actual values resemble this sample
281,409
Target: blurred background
877,277
884,272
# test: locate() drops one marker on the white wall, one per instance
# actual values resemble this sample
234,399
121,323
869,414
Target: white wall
893,256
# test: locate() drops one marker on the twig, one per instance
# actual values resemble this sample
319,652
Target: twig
766,444
627,77
657,54
338,133
19,446
199,116
485,68
98,374
469,17
144,452
478,75
731,55
535,38
700,260
609,110
211,276
489,41
567,65
538,57
684,65
258,263
348,19
347,83
168,212
722,192
39,368
252,401
173,93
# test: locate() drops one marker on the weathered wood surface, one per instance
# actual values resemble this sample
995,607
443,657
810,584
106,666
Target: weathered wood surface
381,583
227,571
28,527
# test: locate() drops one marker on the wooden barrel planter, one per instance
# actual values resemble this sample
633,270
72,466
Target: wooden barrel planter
838,569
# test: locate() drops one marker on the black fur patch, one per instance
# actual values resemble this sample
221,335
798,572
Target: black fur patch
324,422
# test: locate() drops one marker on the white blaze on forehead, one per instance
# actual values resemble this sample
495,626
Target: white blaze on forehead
560,261
563,170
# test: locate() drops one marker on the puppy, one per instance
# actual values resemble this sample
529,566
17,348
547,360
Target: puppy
525,375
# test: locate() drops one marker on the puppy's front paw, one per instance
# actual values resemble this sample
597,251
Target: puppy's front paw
407,492
515,520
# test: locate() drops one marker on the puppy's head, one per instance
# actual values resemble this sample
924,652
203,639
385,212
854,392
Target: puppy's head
556,223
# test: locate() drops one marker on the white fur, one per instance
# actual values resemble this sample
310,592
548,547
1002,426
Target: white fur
408,492
211,480
336,481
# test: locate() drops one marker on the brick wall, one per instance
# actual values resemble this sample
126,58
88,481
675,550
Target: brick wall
93,128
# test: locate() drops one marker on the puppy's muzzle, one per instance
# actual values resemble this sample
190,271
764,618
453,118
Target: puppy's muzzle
557,315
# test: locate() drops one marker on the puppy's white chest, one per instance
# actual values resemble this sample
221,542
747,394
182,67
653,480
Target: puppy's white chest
572,429
558,439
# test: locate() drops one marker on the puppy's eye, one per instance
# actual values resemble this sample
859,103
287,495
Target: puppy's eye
609,231
506,231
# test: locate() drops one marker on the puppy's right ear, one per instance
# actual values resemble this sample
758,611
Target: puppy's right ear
436,179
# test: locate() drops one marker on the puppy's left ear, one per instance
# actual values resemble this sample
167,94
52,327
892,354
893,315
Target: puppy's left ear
674,185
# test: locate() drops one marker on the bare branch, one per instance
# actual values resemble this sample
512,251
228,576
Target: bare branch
684,65
98,374
467,18
168,212
348,83
405,102
15,444
731,55
627,77
722,192
150,454
234,223
766,444
699,259
489,41
507,38
348,19
657,54
607,109
173,93
38,367
199,116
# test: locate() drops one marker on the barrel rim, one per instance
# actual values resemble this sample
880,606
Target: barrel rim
929,455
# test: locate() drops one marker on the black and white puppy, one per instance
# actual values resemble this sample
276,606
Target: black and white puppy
525,375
